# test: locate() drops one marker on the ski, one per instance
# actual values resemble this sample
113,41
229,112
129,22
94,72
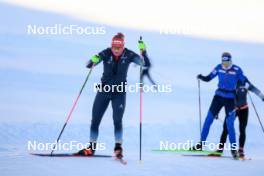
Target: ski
215,156
70,155
73,155
244,158
121,160
186,151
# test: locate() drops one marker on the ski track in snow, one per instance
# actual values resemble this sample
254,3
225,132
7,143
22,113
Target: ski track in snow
16,160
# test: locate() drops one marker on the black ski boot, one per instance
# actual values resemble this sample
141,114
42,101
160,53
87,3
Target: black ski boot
241,153
118,150
88,151
234,154
197,147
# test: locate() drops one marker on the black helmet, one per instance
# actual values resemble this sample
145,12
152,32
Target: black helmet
226,56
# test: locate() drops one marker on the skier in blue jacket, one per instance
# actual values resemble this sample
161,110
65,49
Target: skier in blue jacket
228,76
116,60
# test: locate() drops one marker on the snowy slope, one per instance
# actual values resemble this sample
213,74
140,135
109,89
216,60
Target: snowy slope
15,159
41,75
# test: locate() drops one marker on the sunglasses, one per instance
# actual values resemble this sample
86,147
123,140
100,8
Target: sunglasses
117,48
226,63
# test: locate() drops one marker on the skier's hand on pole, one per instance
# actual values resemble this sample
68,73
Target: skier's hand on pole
142,49
200,76
141,45
204,78
95,59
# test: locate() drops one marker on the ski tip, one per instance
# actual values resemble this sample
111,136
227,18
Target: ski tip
122,161
244,159
40,154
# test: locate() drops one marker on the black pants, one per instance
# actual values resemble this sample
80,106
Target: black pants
243,120
101,102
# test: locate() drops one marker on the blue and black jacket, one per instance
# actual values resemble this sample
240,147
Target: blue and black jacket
228,79
115,71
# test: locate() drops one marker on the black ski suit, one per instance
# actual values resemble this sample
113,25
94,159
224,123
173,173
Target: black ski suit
115,73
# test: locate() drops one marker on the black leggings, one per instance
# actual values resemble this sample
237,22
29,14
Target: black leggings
243,120
100,105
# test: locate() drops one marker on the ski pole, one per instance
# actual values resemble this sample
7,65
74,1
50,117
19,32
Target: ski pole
140,107
254,107
71,110
200,109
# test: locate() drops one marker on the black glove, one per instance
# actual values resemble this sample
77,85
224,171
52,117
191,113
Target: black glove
204,78
200,76
89,64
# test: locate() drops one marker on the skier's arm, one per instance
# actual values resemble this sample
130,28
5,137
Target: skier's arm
209,77
241,76
141,61
253,89
137,60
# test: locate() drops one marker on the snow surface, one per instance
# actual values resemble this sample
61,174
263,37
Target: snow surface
41,75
